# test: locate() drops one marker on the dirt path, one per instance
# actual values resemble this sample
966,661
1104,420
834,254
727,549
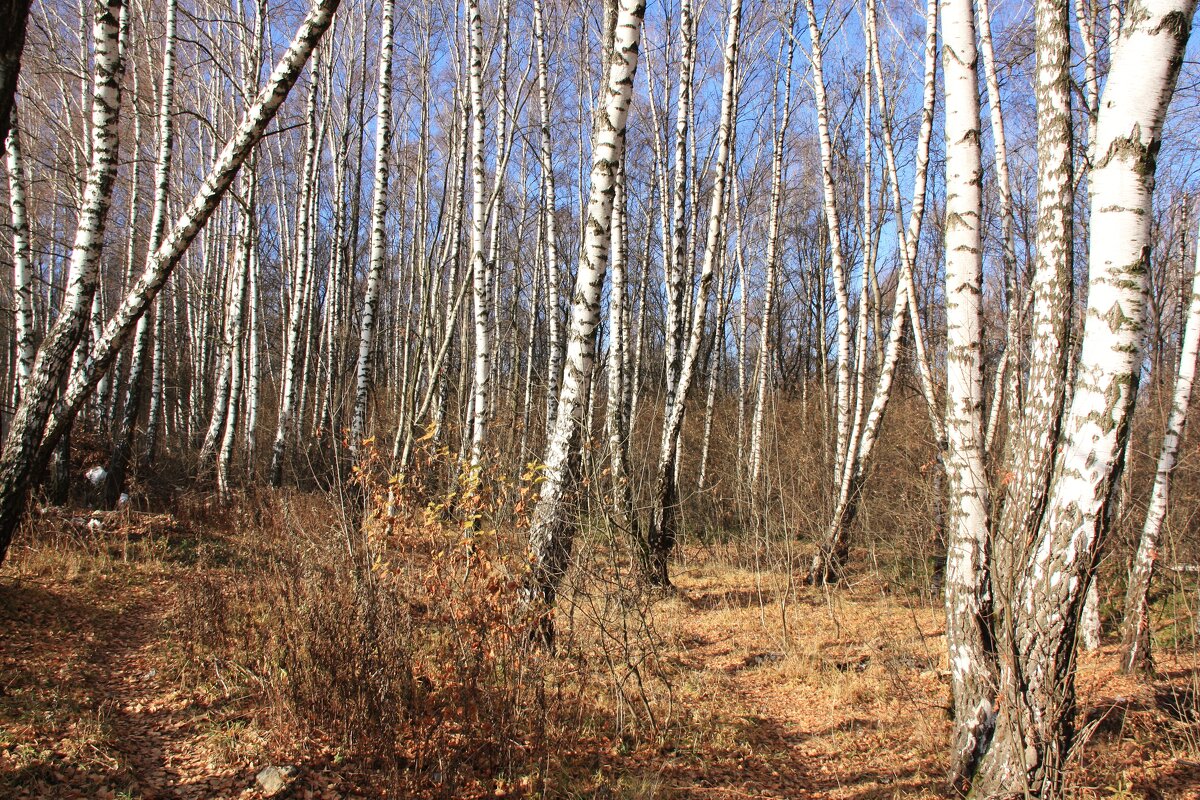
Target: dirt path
86,709
834,704
157,728
786,694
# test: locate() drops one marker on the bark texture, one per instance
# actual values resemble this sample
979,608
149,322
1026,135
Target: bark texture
553,530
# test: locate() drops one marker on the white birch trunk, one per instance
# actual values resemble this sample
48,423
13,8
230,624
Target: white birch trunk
833,230
22,286
53,360
253,365
1136,654
293,343
25,446
660,539
1033,441
479,266
383,147
247,241
549,211
966,551
1037,699
552,532
834,549
762,377
1005,381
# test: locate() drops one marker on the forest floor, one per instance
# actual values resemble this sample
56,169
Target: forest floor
776,690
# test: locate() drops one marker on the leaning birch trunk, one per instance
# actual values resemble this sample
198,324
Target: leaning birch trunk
383,147
660,538
967,610
1037,698
834,232
553,532
25,447
22,275
1135,646
293,342
54,357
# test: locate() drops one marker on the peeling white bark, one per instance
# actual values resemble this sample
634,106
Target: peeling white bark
552,533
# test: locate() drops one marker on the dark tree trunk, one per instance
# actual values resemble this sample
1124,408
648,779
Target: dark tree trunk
13,16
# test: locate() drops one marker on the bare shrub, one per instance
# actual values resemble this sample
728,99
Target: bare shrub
398,637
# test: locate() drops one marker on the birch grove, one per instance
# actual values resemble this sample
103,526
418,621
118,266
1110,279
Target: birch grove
873,291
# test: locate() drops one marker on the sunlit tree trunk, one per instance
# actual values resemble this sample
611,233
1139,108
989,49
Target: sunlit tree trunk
550,221
383,147
762,377
54,357
660,538
552,532
1033,440
1034,729
967,611
247,242
836,258
226,365
1135,645
481,275
293,342
22,284
1005,382
834,547
123,440
616,419
25,446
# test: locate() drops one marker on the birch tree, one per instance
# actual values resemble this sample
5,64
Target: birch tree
1005,382
26,445
22,270
549,219
661,536
1135,635
303,256
1037,695
966,553
836,257
552,532
762,363
479,266
53,359
1033,443
383,147
850,471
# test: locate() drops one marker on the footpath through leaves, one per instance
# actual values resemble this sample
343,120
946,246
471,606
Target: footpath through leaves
128,669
